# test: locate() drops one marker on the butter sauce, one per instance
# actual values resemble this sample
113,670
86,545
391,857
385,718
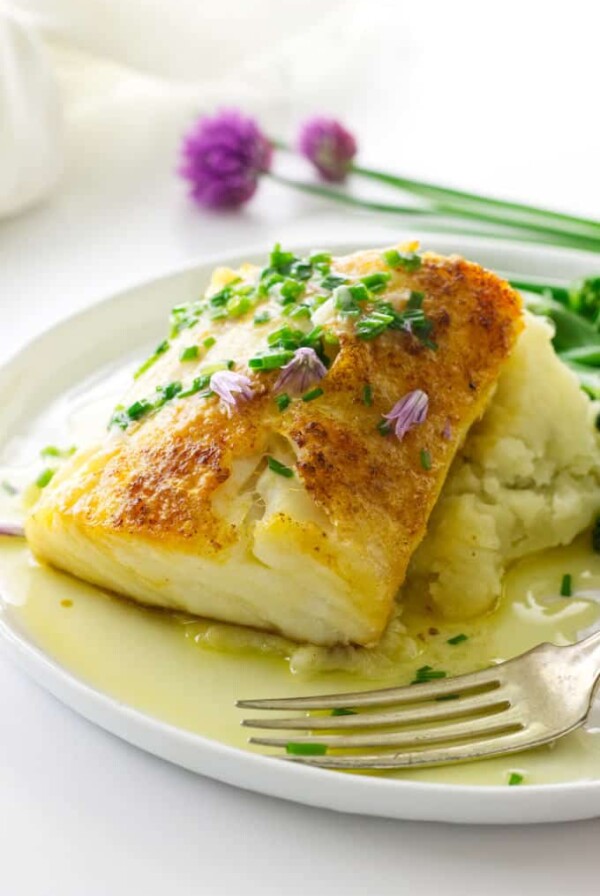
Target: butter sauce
150,660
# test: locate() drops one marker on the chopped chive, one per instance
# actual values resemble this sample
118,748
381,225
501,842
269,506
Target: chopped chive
301,270
410,261
190,353
279,468
312,394
289,291
297,312
53,451
416,300
119,418
384,427
261,318
320,258
330,338
139,409
238,305
458,639
368,395
306,749
376,282
158,351
209,342
198,383
283,401
515,778
209,369
427,673
281,261
45,477
331,281
167,393
566,586
444,697
342,711
270,361
9,488
425,459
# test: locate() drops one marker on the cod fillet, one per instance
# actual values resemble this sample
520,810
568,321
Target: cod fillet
293,506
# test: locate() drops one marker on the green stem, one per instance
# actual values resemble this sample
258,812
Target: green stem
427,217
576,226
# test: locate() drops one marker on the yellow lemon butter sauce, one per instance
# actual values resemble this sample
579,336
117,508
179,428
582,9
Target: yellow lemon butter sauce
145,658
151,660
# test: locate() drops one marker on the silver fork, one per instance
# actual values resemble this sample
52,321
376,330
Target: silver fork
525,702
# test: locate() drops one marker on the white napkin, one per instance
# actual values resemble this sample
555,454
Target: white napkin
30,119
270,58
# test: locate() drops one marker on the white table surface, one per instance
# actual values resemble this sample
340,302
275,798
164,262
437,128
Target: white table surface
82,813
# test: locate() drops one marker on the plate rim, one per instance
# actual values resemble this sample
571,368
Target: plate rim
414,800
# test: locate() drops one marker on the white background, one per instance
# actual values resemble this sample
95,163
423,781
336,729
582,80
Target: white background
497,97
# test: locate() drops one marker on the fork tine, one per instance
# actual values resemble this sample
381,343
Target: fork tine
502,723
493,746
432,712
385,696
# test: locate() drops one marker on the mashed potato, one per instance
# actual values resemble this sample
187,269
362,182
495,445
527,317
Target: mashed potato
526,479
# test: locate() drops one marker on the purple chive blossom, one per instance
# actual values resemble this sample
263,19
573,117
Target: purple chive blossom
223,157
410,411
231,387
12,529
303,371
329,146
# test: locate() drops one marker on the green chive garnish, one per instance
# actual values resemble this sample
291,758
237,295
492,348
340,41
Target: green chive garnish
427,673
270,361
209,369
279,468
283,401
262,318
566,589
139,409
306,749
376,282
158,351
320,258
458,639
425,459
409,261
514,779
415,300
45,477
384,427
331,281
53,451
312,394
368,395
209,342
190,353
342,711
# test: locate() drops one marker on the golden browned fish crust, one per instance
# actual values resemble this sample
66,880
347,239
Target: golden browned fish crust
159,484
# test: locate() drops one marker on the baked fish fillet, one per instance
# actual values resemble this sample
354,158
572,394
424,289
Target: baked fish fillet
292,505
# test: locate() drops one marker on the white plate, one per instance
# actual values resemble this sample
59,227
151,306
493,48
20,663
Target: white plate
127,323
